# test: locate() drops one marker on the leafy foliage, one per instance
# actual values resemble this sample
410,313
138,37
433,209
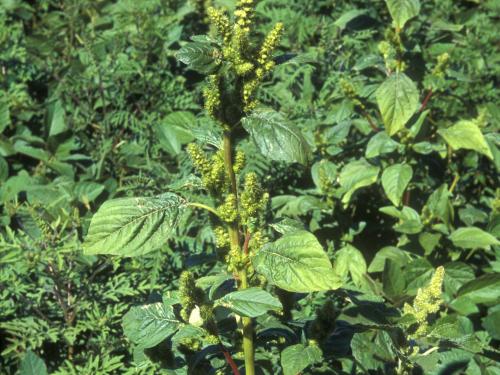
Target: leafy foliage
365,156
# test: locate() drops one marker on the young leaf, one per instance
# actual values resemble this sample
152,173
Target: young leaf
403,10
395,179
409,219
146,326
397,99
472,238
355,175
484,289
297,263
32,365
198,56
133,226
175,130
350,261
277,138
379,144
467,135
251,302
297,358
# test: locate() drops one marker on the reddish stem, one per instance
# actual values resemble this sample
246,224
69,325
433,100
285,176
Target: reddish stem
246,243
230,360
406,199
370,120
426,100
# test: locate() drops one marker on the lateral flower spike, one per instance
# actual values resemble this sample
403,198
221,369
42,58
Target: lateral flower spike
220,20
428,301
270,43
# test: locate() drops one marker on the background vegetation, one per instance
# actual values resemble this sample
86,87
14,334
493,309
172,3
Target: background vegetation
95,105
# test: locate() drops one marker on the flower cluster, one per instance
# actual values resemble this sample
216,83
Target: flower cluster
211,94
253,199
228,211
213,171
265,65
190,295
427,302
249,65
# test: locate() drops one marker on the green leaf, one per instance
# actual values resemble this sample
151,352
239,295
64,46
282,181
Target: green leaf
403,10
380,144
251,302
467,135
296,358
297,263
146,326
398,100
472,238
198,56
350,261
395,179
484,289
373,349
393,283
57,118
32,365
355,175
276,138
25,148
175,130
492,322
409,219
133,226
429,241
398,256
4,113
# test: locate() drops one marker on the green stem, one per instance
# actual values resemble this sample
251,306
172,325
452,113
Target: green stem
204,207
234,234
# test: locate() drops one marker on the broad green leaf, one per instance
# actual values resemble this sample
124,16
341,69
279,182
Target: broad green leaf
277,138
175,130
355,175
456,275
429,241
251,302
199,56
4,114
397,99
403,10
88,191
415,128
393,283
350,261
324,173
393,253
297,263
395,179
133,226
373,349
380,144
296,358
438,205
485,289
57,118
4,170
472,238
409,219
467,135
492,322
25,148
146,326
32,364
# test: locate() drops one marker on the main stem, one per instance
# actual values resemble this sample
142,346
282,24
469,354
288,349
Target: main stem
234,235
